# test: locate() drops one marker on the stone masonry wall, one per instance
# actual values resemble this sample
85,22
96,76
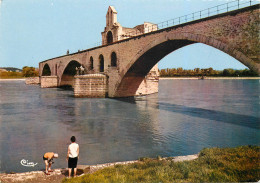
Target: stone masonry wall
148,86
32,80
90,85
67,80
49,81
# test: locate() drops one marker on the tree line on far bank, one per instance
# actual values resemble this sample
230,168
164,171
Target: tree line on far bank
197,72
179,72
26,72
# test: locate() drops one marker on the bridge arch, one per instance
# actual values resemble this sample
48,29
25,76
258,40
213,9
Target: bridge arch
67,77
46,71
156,49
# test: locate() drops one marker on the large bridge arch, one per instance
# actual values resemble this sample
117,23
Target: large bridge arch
158,48
68,73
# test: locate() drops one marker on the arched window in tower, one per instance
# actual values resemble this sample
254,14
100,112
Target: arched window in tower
91,65
101,63
109,37
113,59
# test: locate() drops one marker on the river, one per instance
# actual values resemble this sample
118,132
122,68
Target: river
183,118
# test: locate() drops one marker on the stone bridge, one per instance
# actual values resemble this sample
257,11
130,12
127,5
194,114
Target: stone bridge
130,63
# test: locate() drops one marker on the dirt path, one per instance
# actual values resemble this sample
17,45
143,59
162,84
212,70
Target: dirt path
36,176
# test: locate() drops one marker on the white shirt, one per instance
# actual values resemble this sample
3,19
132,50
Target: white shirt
73,147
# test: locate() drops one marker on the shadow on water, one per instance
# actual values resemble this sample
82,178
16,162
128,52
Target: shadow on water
142,98
131,100
232,118
236,119
66,87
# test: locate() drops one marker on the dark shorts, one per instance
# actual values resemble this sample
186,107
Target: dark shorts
72,163
44,158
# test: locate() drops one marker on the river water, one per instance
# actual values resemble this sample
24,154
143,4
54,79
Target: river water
183,118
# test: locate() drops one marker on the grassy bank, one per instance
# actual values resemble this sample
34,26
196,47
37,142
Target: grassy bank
239,164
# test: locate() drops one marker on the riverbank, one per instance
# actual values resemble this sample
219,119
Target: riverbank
240,164
15,79
59,174
208,78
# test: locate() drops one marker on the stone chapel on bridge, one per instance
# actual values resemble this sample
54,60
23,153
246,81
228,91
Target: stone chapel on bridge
115,32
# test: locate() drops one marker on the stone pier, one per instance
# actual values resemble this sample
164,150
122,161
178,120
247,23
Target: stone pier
91,86
149,85
49,81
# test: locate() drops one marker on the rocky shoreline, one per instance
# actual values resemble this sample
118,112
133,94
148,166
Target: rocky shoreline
58,174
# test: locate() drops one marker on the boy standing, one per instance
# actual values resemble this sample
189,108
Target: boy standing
72,155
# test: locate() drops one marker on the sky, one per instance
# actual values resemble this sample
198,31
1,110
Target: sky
32,31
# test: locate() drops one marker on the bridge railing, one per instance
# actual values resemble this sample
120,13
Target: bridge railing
216,10
212,11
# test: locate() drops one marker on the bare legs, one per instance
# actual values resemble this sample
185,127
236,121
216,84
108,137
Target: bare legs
75,172
69,172
50,167
47,166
